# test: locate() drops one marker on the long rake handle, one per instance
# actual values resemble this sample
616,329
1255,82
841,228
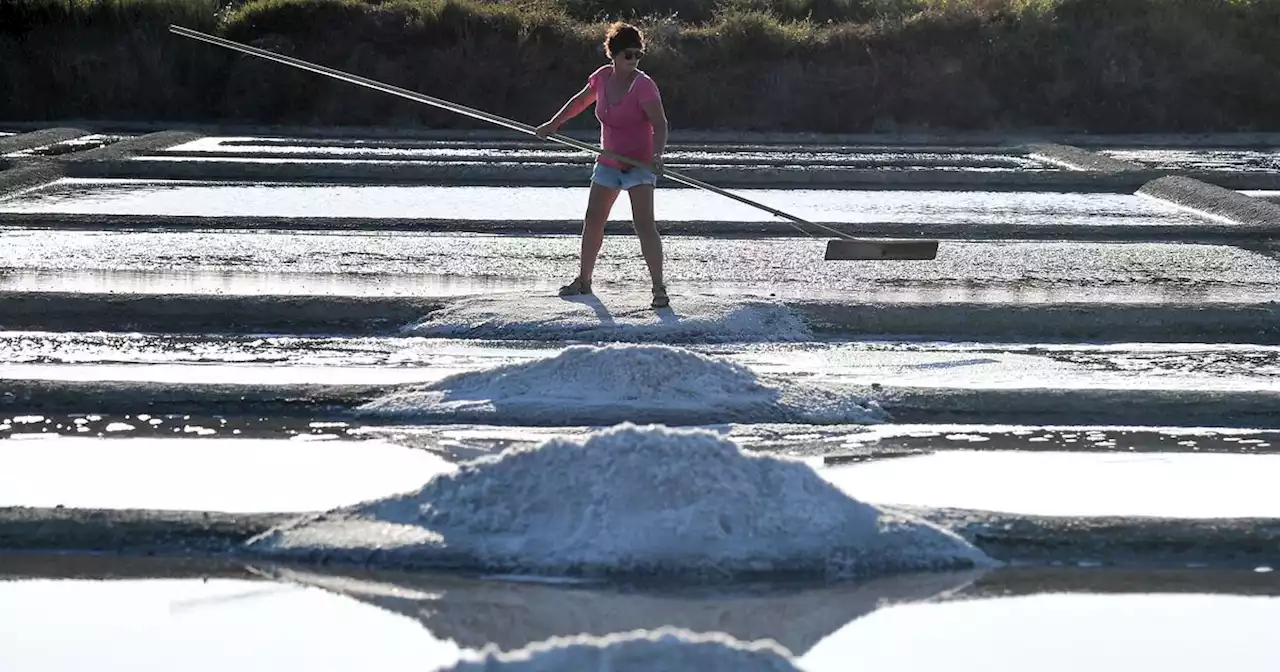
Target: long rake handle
477,114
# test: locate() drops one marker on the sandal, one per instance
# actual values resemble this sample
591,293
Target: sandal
576,288
660,298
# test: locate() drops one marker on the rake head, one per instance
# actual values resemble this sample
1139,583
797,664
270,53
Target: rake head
848,249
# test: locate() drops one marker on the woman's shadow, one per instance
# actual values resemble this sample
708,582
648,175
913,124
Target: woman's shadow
667,315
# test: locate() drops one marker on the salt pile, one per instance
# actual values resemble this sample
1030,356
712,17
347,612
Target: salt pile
603,385
628,501
626,317
641,650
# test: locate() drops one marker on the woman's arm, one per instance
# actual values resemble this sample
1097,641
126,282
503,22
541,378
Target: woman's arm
658,117
572,108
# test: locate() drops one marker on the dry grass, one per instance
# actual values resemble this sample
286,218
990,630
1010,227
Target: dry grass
64,59
816,65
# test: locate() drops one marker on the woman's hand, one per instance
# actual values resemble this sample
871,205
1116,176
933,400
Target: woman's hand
657,164
546,129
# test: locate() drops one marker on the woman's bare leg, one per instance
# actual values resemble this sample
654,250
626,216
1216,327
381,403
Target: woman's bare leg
599,204
646,227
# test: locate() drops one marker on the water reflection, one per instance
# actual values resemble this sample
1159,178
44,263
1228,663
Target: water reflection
511,614
210,615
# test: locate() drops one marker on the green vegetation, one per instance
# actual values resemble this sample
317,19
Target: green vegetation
792,65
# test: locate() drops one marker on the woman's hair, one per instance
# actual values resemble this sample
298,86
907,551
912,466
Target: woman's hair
622,36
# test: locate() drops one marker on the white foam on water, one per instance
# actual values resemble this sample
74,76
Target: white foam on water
643,383
625,316
628,500
636,651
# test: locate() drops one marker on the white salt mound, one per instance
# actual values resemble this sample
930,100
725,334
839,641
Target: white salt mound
606,317
604,385
666,649
630,501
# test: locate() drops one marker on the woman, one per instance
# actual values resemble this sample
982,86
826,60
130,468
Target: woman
632,124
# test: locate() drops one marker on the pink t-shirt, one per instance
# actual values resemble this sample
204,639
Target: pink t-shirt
624,127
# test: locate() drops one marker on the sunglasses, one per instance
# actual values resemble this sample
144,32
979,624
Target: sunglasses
632,54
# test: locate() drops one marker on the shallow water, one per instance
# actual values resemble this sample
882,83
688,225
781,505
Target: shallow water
243,475
189,426
825,355
834,444
907,438
1031,271
191,624
837,445
281,360
1171,633
230,374
160,197
1117,620
1072,484
676,154
320,470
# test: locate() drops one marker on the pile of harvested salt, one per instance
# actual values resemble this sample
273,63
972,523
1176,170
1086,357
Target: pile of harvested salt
631,501
604,385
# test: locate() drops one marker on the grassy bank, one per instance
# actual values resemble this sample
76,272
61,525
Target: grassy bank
785,65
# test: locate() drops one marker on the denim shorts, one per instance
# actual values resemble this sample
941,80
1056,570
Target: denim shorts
615,178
